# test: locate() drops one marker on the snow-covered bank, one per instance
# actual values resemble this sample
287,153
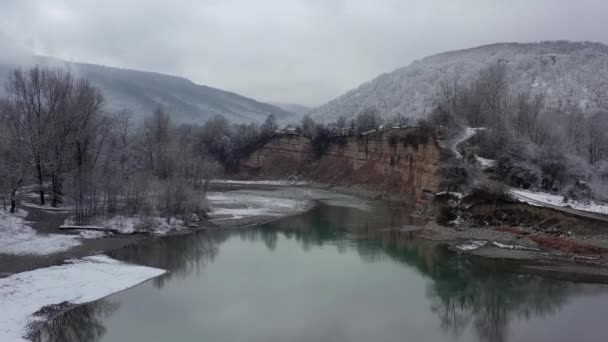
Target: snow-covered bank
47,208
238,205
17,238
261,182
128,225
80,281
541,198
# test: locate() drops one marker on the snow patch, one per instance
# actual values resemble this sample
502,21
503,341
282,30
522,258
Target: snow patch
470,245
78,282
47,208
458,195
235,205
514,247
129,225
91,234
265,182
541,198
17,238
468,133
485,163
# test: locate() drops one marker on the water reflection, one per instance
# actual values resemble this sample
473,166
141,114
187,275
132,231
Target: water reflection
81,324
465,294
180,255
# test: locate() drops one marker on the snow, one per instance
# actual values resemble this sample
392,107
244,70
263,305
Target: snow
485,163
237,205
541,198
565,73
369,132
470,245
263,182
46,207
129,225
17,238
91,234
468,133
458,195
77,282
515,247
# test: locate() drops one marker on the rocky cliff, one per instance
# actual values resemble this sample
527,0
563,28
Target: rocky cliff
397,161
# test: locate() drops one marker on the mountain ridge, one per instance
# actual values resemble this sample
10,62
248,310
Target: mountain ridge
142,91
570,74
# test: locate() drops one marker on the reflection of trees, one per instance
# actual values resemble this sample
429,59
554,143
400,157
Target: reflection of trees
336,225
482,294
465,293
81,324
180,255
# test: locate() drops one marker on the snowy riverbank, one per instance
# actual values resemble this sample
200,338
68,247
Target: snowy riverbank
544,199
17,237
79,281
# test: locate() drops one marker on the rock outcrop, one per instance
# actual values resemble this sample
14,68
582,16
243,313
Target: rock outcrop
400,161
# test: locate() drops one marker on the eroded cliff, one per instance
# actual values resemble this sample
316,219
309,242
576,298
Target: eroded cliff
398,161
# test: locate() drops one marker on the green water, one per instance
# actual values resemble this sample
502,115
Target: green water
332,274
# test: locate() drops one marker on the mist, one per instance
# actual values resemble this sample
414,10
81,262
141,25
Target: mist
301,51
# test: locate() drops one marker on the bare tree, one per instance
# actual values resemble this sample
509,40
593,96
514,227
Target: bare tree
38,97
156,140
367,120
269,127
308,126
13,160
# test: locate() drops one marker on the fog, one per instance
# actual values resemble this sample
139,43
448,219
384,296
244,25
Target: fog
300,51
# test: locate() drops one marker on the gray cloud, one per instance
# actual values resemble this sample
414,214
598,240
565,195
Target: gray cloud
303,51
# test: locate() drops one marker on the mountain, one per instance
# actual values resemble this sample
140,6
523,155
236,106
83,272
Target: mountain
568,73
293,107
141,92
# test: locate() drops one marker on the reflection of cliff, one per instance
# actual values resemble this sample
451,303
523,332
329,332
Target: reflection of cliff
326,224
465,293
400,161
469,293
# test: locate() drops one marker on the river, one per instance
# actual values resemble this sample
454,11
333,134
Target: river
340,272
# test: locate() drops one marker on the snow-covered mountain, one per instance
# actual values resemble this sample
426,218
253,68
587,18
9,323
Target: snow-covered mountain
569,73
141,92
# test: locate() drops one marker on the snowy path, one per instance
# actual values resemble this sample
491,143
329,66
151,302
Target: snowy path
78,282
259,182
594,211
468,133
18,238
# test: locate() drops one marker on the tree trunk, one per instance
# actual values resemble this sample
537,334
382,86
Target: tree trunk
39,171
13,201
56,190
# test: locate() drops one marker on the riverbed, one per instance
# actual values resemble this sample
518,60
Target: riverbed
347,270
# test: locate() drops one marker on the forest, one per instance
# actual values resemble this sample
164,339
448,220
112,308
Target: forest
59,141
531,145
58,138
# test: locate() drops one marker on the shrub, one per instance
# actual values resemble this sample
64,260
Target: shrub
488,190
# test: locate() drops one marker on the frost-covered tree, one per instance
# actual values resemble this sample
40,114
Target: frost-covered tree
367,120
269,127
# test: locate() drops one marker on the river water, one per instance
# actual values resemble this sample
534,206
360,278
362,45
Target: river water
340,272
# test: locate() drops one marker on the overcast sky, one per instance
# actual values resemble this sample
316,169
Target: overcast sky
301,51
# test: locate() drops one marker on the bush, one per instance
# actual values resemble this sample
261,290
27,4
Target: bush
488,190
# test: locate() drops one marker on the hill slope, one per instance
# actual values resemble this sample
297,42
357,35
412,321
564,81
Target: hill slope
141,92
569,73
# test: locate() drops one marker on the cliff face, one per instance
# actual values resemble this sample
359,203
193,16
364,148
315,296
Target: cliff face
398,161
